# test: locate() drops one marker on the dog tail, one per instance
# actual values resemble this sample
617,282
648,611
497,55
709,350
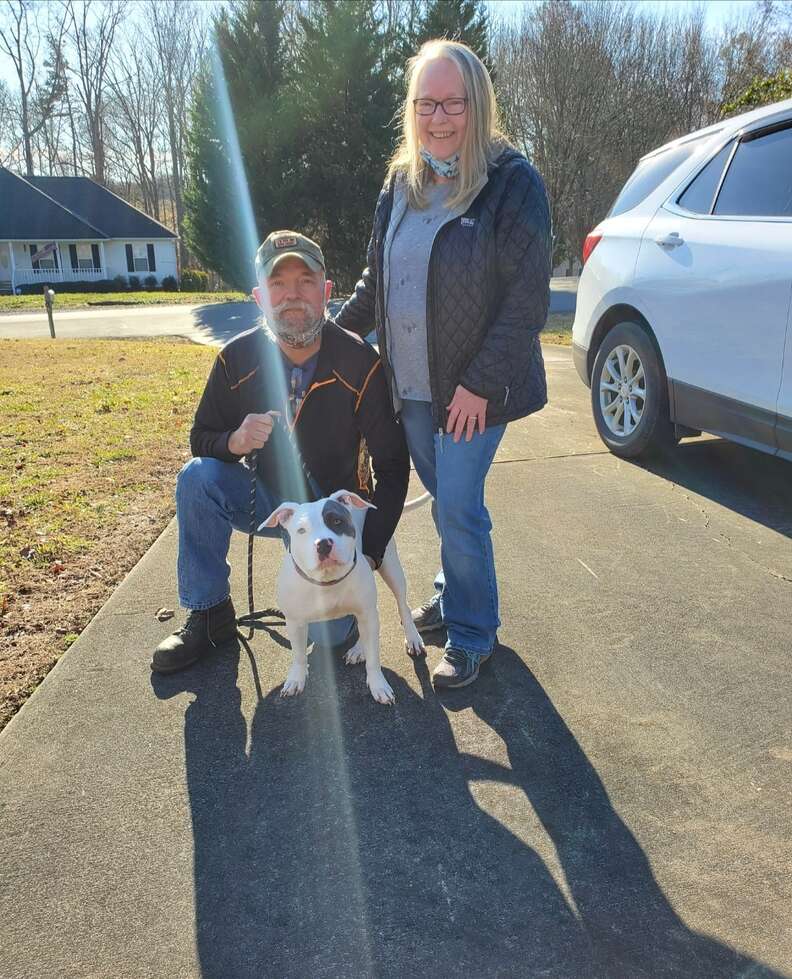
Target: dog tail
418,501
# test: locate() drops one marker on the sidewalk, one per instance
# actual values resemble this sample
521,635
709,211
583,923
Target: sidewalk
610,799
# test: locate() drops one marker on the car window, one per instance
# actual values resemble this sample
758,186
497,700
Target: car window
700,194
649,174
759,180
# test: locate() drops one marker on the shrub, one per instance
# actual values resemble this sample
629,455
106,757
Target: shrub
169,284
150,282
194,280
134,283
120,284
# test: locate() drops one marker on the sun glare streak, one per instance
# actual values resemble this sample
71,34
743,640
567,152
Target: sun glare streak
335,787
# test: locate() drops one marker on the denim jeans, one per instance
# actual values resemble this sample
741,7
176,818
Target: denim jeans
212,499
454,473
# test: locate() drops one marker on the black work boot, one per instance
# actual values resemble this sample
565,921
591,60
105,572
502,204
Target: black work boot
201,633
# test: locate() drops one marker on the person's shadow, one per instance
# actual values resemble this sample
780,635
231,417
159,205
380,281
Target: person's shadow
345,839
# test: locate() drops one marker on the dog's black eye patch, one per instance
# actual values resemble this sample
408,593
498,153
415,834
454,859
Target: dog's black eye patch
337,519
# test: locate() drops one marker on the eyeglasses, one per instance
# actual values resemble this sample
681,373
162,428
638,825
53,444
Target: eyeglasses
428,107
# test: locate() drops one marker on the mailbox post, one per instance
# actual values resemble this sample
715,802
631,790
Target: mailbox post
49,299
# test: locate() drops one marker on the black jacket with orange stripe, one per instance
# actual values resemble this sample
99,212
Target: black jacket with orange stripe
344,427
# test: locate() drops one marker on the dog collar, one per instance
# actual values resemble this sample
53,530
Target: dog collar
313,581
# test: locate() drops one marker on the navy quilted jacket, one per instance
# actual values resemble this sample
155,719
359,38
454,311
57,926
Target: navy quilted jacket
488,293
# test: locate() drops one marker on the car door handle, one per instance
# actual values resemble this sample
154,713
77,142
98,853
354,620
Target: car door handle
674,240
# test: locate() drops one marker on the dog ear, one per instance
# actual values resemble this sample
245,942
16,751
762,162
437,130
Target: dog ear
283,513
350,499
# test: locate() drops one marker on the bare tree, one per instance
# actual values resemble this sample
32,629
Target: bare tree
178,32
91,30
587,88
22,43
135,83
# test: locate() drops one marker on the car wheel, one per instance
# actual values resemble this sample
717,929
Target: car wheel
629,394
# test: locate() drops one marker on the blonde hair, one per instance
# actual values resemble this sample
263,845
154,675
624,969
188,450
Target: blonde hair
482,140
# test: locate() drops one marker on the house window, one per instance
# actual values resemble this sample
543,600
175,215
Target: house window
140,255
48,262
84,257
140,258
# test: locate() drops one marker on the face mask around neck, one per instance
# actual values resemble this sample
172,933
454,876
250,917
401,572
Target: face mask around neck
443,168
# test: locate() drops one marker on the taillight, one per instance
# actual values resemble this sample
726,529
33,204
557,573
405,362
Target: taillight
589,245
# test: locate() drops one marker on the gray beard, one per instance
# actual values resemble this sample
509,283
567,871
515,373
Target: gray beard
298,340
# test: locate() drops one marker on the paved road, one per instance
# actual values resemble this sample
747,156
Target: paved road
206,324
611,800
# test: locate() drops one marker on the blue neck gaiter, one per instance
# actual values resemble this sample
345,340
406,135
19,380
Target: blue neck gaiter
443,168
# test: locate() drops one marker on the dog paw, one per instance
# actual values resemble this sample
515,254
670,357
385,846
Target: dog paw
380,689
357,654
294,683
413,643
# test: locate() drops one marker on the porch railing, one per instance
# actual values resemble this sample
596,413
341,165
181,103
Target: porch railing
32,276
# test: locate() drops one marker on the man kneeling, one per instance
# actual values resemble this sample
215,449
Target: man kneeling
297,375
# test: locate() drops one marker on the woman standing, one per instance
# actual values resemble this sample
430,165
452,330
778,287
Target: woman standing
457,285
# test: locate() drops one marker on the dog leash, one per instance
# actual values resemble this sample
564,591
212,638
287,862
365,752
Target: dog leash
275,614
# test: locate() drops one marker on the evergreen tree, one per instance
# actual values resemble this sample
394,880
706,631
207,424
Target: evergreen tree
315,131
457,20
344,96
249,42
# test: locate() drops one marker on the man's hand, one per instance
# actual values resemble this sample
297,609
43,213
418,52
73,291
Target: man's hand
253,433
465,411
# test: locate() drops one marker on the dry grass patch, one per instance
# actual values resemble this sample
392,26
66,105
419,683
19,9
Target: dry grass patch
559,329
93,435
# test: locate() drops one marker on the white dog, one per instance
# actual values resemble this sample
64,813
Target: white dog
325,575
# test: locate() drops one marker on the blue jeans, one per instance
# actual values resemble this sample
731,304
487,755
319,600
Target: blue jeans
212,499
454,474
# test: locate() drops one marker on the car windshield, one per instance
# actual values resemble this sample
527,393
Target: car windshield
651,172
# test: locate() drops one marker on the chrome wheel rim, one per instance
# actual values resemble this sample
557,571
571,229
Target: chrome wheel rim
622,391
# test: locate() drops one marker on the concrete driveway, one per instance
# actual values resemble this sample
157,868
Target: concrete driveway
214,323
611,799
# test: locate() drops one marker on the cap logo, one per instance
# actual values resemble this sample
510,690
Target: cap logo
286,242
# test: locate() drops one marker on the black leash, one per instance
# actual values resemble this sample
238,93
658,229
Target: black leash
266,613
274,614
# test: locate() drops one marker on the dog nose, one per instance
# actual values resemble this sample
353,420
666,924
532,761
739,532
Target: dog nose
324,547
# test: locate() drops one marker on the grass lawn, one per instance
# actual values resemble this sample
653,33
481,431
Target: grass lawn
93,434
559,329
85,300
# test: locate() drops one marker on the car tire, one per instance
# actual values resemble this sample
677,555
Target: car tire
629,394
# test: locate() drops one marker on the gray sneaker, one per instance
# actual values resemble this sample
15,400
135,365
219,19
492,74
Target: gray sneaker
457,668
428,618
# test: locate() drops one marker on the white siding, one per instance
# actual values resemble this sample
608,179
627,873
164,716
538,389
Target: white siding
164,258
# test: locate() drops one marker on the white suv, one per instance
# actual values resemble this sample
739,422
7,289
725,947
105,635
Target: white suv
683,319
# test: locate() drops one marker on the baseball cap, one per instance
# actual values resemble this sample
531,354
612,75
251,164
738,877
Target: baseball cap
287,244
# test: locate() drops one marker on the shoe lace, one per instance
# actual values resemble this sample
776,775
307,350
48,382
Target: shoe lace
461,657
194,623
431,604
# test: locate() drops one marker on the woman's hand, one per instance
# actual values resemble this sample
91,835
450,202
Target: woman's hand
464,412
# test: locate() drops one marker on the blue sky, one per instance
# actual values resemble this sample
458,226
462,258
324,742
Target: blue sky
718,12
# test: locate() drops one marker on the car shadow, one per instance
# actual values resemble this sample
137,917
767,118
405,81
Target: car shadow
339,837
747,481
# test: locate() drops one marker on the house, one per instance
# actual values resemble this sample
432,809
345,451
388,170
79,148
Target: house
56,230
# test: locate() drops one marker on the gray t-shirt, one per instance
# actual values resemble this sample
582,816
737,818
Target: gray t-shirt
406,312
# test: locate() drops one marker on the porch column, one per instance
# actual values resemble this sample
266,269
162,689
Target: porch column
103,259
13,268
